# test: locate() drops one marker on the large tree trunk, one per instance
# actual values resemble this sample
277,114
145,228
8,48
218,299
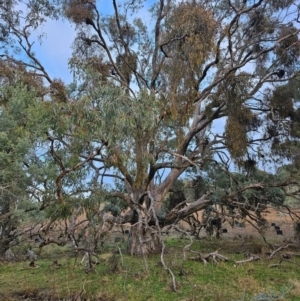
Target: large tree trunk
4,246
143,241
7,225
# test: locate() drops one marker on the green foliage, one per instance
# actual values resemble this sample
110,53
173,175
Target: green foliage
175,196
143,107
16,141
115,207
222,183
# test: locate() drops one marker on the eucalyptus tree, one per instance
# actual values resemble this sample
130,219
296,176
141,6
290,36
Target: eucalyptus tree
187,68
158,96
16,143
23,127
43,135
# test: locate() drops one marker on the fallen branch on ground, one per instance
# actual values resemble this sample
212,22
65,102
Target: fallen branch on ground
276,265
214,256
250,259
277,250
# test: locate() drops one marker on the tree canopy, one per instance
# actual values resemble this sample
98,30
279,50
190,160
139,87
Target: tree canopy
197,87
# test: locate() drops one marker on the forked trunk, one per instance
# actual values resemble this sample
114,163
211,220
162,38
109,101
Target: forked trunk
143,241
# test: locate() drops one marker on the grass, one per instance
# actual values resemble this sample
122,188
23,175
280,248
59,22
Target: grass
145,279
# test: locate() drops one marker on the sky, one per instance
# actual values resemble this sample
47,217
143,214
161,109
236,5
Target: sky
56,47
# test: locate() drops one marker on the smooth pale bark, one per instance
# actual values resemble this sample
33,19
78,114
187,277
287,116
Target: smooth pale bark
180,213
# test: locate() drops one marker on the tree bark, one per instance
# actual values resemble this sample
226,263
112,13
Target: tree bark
143,241
4,246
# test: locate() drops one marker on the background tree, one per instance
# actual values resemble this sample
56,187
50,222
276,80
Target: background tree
16,143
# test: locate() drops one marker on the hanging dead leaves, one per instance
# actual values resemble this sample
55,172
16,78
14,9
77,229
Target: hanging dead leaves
79,11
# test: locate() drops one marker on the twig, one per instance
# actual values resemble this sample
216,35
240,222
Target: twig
83,289
162,243
277,250
187,247
167,268
127,268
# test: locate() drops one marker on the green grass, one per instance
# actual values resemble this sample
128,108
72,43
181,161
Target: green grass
145,279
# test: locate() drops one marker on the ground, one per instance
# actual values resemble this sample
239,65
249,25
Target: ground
58,275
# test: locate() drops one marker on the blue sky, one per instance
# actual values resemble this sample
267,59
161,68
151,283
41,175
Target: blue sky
56,47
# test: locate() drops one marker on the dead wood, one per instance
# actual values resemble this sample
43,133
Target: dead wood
215,256
158,232
250,259
276,265
187,247
277,250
